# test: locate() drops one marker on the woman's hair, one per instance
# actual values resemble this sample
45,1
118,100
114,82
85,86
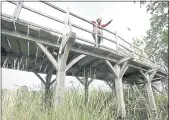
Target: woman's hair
99,19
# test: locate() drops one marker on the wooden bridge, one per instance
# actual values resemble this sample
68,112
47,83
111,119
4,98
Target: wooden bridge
30,47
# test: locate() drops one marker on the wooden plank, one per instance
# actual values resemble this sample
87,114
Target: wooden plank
45,34
34,31
21,27
96,63
7,24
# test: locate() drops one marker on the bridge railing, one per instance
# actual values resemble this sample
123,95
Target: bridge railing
138,56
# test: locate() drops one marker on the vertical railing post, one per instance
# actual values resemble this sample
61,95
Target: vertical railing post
155,61
143,55
117,43
96,29
132,47
17,10
66,30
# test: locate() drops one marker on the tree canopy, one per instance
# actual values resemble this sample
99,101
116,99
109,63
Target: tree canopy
156,38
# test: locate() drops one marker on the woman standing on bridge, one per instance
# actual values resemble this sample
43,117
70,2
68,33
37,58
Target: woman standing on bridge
99,30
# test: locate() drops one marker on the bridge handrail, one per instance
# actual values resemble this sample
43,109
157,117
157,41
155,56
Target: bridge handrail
55,19
52,30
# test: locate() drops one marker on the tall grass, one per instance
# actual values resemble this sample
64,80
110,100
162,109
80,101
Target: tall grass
102,105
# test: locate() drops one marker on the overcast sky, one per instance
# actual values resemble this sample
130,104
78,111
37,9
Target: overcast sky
125,15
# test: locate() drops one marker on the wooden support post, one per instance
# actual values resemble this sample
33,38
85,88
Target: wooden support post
60,76
133,50
119,93
96,36
68,39
151,99
86,87
86,82
148,78
163,87
118,70
59,87
48,92
111,84
60,66
47,85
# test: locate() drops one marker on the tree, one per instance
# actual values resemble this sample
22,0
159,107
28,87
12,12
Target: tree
157,36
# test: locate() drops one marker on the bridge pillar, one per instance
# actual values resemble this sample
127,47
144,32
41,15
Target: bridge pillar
118,70
148,76
86,82
60,65
111,83
47,84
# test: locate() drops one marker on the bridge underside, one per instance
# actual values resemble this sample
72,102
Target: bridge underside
19,51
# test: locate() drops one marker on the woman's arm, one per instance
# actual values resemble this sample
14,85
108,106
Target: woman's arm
93,22
104,25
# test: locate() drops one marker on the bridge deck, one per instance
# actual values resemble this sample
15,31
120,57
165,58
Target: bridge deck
19,51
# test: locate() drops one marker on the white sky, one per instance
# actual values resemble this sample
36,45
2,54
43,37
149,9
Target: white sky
124,14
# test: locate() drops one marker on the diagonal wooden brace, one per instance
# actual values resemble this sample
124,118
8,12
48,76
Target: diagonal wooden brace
152,75
124,60
80,80
151,70
144,75
111,68
74,61
48,55
43,81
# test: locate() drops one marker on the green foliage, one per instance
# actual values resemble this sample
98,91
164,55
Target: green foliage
138,42
157,36
102,105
